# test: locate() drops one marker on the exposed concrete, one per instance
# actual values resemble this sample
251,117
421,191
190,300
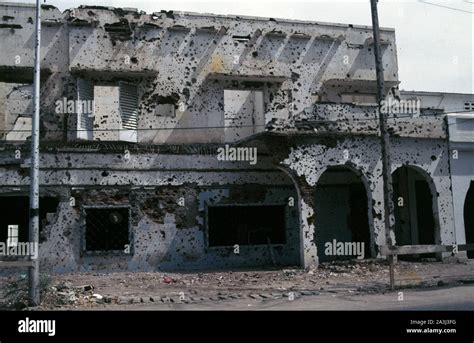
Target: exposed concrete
287,81
362,154
462,168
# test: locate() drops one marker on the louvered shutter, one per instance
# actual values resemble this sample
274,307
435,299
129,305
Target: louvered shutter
85,118
128,103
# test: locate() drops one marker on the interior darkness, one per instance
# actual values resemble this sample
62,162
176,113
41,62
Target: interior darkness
106,229
405,215
469,218
424,212
246,225
343,212
358,217
15,211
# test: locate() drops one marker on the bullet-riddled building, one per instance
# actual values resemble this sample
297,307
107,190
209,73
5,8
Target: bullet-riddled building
179,140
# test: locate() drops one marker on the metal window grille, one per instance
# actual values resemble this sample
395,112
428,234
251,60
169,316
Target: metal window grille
107,229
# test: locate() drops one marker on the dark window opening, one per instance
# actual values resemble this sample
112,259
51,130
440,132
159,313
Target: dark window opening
469,218
107,229
15,211
246,225
469,106
240,38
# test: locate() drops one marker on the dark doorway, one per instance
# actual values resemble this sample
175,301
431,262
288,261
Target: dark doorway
469,218
341,211
358,217
414,213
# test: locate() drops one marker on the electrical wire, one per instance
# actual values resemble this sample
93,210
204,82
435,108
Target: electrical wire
322,121
447,7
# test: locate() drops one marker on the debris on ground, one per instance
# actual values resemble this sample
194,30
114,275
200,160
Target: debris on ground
85,290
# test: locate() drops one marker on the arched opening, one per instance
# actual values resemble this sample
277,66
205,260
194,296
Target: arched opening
414,197
342,227
469,218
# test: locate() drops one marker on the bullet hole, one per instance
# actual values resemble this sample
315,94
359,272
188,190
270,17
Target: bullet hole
134,60
433,157
105,173
254,53
30,20
186,92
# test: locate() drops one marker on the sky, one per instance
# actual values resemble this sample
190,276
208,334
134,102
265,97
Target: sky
435,45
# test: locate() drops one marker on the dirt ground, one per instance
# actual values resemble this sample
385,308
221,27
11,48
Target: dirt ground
106,290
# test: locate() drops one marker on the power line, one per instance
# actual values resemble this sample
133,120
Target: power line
447,7
322,121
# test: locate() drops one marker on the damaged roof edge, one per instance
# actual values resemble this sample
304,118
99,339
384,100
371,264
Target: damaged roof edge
24,4
206,15
279,20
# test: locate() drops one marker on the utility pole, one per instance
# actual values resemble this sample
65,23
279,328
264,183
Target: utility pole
33,279
384,140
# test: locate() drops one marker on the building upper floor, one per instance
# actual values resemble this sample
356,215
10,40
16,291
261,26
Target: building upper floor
119,74
440,102
459,108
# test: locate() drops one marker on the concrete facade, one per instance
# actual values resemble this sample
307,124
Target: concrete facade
460,114
167,92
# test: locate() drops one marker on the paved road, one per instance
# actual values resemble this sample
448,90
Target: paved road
449,298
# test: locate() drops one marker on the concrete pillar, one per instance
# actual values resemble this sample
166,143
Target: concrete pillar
309,254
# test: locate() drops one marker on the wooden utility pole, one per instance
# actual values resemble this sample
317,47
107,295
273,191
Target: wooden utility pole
384,141
33,275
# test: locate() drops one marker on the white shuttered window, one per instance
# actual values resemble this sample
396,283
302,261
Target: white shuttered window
128,103
85,117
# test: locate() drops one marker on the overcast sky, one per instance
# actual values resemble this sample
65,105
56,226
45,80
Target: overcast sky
435,44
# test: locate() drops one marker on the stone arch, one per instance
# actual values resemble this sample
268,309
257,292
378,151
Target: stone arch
416,206
308,253
343,211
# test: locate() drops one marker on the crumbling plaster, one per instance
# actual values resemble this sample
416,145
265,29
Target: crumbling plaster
300,67
429,156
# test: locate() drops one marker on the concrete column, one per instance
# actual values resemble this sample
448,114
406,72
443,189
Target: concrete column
309,255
